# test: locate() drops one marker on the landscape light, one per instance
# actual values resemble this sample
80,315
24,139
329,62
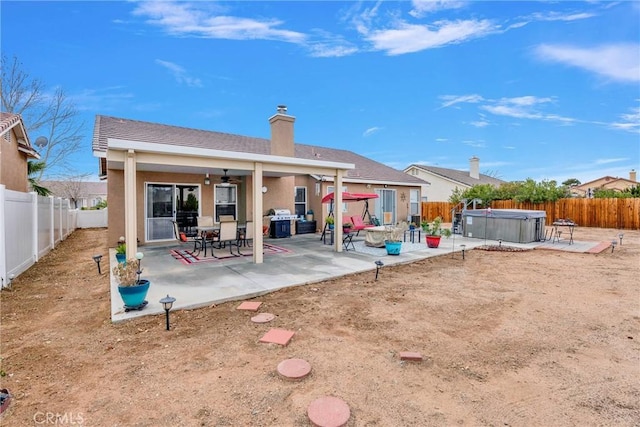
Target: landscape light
167,303
97,259
463,246
378,265
620,237
614,242
139,256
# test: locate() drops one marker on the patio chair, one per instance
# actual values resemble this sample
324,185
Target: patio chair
224,218
183,238
228,236
246,235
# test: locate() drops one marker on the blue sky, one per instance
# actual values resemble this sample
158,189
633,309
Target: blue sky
542,90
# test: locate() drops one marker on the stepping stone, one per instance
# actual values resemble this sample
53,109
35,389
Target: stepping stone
294,369
263,318
329,411
249,305
277,336
410,355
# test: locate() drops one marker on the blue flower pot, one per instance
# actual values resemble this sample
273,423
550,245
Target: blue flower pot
393,248
134,296
121,258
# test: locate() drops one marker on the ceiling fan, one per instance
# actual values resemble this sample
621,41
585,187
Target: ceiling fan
226,179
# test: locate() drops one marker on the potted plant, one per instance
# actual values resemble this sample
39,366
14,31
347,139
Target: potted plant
329,220
346,227
310,215
132,289
393,239
121,253
434,231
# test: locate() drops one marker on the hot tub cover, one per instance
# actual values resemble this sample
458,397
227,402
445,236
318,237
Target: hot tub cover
506,213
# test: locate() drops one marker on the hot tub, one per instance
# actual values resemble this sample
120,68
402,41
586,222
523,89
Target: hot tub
509,225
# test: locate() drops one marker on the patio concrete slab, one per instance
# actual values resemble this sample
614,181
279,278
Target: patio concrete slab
309,261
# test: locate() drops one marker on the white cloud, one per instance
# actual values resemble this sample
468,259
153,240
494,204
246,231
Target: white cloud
480,123
619,62
607,161
103,99
629,122
441,140
424,7
203,20
557,16
475,144
449,100
180,73
371,131
409,38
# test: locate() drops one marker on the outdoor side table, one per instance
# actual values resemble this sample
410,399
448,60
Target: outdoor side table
330,234
412,235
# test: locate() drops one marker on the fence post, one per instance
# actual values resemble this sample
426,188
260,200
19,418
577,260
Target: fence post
3,240
35,248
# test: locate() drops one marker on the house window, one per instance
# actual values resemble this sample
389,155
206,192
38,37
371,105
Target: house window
414,202
344,205
7,137
301,201
225,201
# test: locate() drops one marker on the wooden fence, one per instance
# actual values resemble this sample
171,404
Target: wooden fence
603,213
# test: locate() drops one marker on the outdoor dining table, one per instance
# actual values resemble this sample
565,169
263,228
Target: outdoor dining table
555,232
204,229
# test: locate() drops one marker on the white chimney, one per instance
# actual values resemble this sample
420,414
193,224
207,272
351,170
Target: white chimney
632,175
474,167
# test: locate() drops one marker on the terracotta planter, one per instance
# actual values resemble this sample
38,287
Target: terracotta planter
433,241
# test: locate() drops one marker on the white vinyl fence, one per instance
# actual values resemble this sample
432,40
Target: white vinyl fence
32,225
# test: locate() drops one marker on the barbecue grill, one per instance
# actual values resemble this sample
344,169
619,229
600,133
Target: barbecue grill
281,223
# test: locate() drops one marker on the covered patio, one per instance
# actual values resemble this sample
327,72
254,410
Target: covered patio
305,261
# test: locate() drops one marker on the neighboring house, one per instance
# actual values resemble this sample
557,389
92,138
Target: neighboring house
605,183
442,181
81,194
15,151
156,173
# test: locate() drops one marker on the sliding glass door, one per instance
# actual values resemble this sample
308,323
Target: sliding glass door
168,202
385,209
160,211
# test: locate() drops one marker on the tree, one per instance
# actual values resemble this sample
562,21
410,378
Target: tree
73,188
34,168
571,182
53,115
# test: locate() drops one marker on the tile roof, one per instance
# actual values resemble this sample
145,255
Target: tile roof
81,188
7,121
111,127
462,177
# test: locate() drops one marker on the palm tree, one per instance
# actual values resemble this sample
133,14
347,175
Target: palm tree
33,169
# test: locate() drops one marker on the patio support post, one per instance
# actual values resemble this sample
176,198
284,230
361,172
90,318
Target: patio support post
337,210
130,214
258,237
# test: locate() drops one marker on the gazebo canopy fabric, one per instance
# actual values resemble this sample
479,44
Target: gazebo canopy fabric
350,197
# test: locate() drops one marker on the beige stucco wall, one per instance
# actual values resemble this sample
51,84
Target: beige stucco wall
13,165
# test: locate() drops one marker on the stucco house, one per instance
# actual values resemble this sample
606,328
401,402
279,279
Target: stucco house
81,194
442,181
15,152
606,183
154,171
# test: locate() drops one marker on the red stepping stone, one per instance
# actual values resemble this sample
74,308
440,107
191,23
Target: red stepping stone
277,336
263,318
329,411
249,305
294,369
410,355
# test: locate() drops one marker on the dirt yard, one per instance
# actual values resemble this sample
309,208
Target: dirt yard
535,338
